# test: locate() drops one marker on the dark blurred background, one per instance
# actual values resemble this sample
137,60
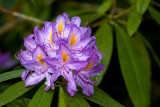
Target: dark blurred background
13,29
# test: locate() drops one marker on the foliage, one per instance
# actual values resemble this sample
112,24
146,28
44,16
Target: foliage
120,31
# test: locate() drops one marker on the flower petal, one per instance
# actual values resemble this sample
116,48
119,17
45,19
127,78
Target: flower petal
64,53
71,92
60,25
30,44
83,43
24,74
94,71
51,61
74,36
67,30
31,36
49,84
66,18
76,20
86,31
71,86
34,79
86,87
25,56
38,55
55,75
76,65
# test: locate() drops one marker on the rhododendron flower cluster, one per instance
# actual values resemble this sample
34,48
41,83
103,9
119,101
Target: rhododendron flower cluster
61,48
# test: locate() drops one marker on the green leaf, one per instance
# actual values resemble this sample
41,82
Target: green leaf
75,101
105,6
151,50
11,75
38,2
42,98
142,6
155,14
89,18
102,98
143,50
20,102
62,101
134,21
104,41
14,92
134,70
4,86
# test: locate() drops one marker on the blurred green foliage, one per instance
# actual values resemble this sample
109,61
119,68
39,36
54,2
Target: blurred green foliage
127,33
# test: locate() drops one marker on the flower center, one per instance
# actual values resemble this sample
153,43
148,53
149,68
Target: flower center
89,66
67,22
60,27
73,39
39,57
65,56
50,36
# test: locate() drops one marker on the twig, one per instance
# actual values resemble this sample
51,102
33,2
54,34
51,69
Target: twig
123,12
21,16
96,24
121,21
113,8
9,26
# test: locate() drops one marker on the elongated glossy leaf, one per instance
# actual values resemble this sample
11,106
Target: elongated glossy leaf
42,98
151,50
102,98
89,18
105,6
11,75
4,86
13,92
134,70
143,50
104,41
142,5
75,101
62,101
20,102
155,14
134,21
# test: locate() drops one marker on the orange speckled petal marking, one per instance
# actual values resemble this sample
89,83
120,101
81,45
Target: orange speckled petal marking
89,66
60,26
50,36
39,57
73,39
65,56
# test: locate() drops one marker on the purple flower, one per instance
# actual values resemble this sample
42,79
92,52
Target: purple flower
82,76
6,61
61,48
63,64
32,61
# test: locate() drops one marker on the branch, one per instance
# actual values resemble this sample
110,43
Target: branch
21,16
9,26
112,11
123,12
